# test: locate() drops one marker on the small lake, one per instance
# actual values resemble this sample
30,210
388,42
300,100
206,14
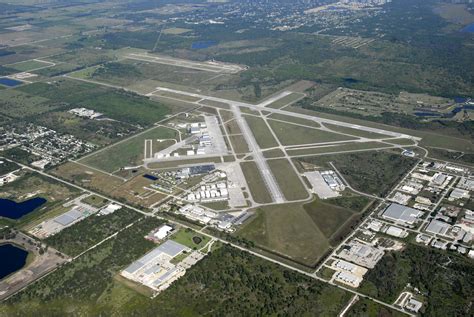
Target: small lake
468,29
13,210
203,44
10,82
13,259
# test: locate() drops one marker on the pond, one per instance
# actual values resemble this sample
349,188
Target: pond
203,44
10,82
13,210
13,259
468,29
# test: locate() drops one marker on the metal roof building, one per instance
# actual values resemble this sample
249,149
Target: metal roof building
402,214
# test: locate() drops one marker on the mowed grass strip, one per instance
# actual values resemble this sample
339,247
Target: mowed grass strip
262,134
291,134
255,182
337,148
239,144
329,218
129,152
288,180
287,100
288,230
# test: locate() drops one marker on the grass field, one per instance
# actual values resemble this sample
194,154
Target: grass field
87,177
355,132
337,148
288,230
329,218
261,132
273,153
18,104
239,144
255,182
290,134
129,152
116,104
28,65
285,101
374,172
189,238
282,117
290,184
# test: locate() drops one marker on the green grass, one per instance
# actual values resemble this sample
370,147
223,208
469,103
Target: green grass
337,148
28,65
287,230
355,132
329,218
273,153
374,172
290,184
116,104
261,132
291,98
95,201
292,119
239,144
18,104
185,237
129,152
290,134
256,184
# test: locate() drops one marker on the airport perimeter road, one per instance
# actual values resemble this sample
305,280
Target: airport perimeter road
263,167
285,112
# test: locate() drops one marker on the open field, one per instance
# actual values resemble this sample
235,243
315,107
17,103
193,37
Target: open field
101,132
29,65
190,238
287,230
337,148
129,152
355,132
256,184
116,104
87,177
262,134
290,134
290,119
329,218
373,172
239,144
137,191
287,100
288,181
17,104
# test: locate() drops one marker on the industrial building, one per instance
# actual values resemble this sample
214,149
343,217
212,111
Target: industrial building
402,214
154,269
